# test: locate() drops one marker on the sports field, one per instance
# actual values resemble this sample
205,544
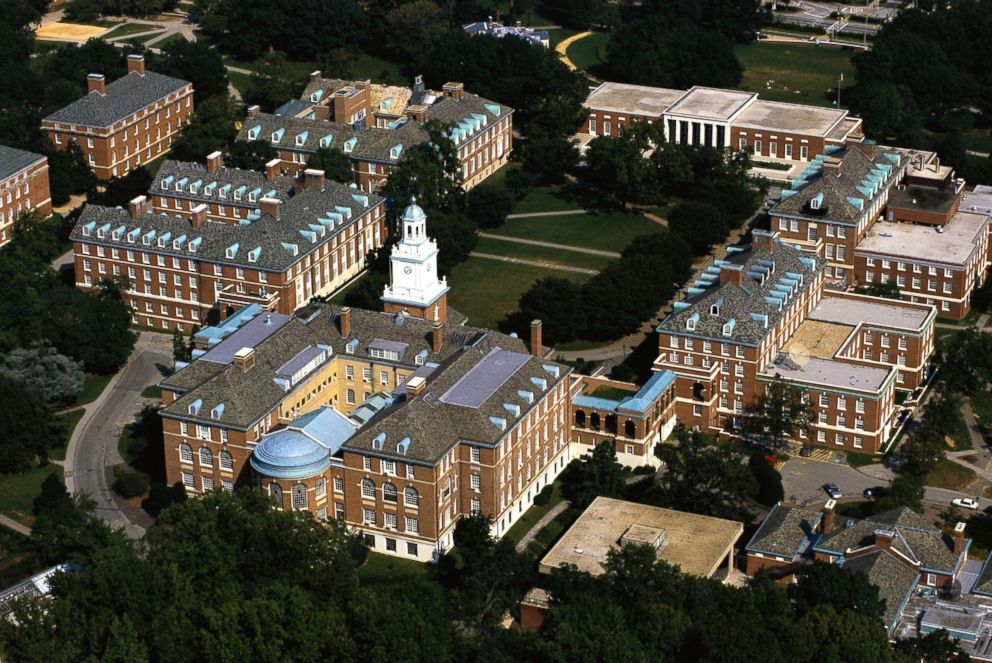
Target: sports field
797,73
74,32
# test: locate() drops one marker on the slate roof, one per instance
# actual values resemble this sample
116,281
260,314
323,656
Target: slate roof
845,195
124,97
983,584
743,303
786,530
235,177
894,579
271,236
13,161
250,394
915,538
453,111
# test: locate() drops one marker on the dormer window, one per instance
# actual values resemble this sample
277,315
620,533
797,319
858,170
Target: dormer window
254,132
326,140
301,139
395,151
728,327
231,251
349,145
690,323
100,233
277,135
816,201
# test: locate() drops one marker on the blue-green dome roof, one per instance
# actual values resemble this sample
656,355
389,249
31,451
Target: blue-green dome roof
289,454
413,212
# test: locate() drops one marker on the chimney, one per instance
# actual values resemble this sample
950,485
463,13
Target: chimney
345,320
831,166
138,206
321,113
536,348
959,539
437,337
214,161
415,386
315,76
363,85
270,207
244,359
198,215
313,178
883,539
96,83
868,149
763,239
731,274
136,63
253,110
273,169
417,112
454,90
827,524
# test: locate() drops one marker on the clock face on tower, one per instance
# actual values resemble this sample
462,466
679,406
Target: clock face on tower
408,269
428,267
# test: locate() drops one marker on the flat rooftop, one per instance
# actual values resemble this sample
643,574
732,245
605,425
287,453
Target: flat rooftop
697,544
853,310
633,99
844,129
953,246
821,372
817,339
708,103
790,118
923,199
979,200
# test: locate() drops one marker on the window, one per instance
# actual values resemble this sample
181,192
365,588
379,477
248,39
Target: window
389,520
412,525
475,482
475,506
474,454
411,549
188,480
368,516
338,485
320,490
227,485
349,372
390,545
185,453
389,493
388,467
275,494
410,497
824,400
409,471
367,374
350,396
206,457
367,463
226,461
368,488
299,495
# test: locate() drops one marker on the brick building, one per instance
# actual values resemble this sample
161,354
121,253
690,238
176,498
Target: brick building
23,187
334,114
762,316
396,425
184,269
635,419
722,119
125,124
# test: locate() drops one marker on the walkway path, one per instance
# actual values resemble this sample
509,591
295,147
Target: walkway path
92,450
534,263
560,212
10,523
562,49
541,524
551,245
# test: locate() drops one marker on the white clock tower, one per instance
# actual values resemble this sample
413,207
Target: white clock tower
414,287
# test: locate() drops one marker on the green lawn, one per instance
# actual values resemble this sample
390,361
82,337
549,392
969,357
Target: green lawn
165,42
532,515
981,405
610,231
558,199
543,254
239,81
71,420
948,474
363,66
589,53
558,35
611,393
550,533
151,391
93,386
802,74
17,559
383,569
857,459
129,29
959,435
488,290
18,491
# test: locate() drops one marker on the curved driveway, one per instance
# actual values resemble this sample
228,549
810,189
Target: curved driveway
92,451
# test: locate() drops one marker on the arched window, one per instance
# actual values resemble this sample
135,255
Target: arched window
226,461
580,418
388,493
368,488
629,430
410,497
275,493
185,453
321,488
594,421
299,496
611,423
206,457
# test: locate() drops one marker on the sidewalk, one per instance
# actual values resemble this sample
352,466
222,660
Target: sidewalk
534,263
541,524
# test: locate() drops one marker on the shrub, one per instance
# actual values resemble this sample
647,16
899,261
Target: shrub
130,484
544,497
770,489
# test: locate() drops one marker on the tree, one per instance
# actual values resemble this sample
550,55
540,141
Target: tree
28,427
65,528
455,235
703,477
548,157
922,450
906,490
821,584
305,31
250,155
92,328
843,637
618,164
887,290
211,129
967,364
488,204
778,414
701,224
594,475
119,191
196,62
935,647
273,83
180,351
56,377
430,171
412,28
69,173
560,306
334,162
769,481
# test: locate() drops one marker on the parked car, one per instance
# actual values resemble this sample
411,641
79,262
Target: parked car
833,491
966,503
874,491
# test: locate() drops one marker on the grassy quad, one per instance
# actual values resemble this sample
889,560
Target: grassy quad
802,74
609,231
589,53
18,491
541,254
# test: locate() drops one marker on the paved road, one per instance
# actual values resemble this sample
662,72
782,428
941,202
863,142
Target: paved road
943,496
10,523
551,245
803,480
93,447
